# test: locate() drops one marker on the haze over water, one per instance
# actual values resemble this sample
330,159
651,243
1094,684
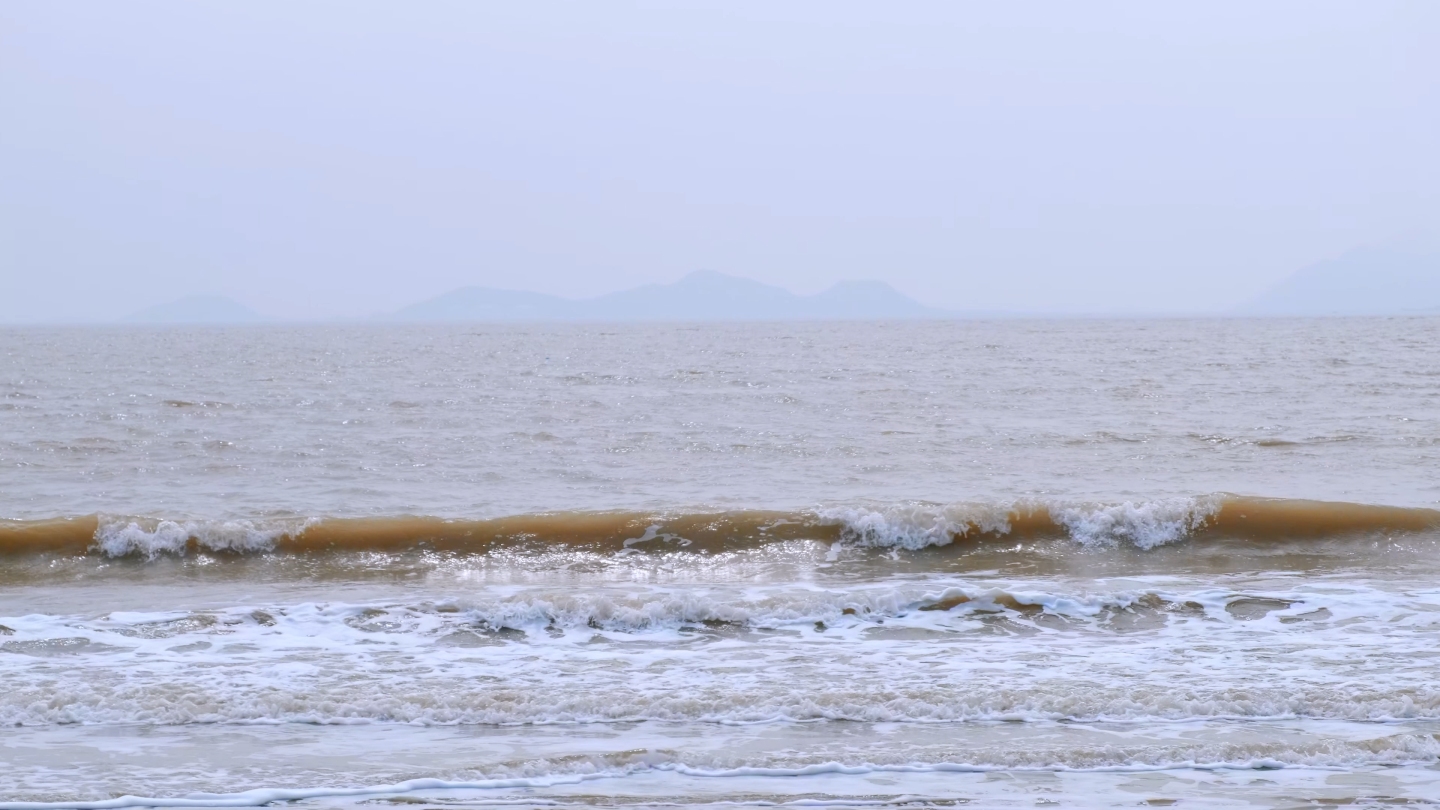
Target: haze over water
1091,562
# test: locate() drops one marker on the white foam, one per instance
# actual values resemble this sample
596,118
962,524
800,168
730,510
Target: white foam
917,526
1144,525
264,796
1017,651
152,538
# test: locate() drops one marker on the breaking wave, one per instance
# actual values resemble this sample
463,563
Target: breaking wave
911,526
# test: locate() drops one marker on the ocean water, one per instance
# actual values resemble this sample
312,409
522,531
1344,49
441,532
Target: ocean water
996,564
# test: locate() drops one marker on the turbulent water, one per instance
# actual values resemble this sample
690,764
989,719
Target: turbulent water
1093,564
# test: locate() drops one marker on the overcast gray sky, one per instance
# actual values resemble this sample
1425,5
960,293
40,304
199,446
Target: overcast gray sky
320,159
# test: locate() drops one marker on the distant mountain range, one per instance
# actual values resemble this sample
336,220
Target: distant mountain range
700,296
1367,281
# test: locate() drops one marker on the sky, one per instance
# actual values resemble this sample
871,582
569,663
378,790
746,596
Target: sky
338,159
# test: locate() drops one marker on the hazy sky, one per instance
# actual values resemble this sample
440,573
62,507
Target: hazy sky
320,159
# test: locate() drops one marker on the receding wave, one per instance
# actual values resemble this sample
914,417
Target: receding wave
1142,525
525,786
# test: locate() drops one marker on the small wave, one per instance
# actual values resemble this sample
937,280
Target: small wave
1138,524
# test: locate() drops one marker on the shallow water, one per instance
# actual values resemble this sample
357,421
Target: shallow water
1093,563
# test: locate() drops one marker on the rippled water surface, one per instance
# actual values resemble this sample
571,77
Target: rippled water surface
490,420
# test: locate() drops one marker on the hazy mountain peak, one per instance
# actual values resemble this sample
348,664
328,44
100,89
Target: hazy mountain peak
714,277
486,304
1363,281
702,295
197,309
868,296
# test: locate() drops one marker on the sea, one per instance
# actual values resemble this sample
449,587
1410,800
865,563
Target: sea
987,563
